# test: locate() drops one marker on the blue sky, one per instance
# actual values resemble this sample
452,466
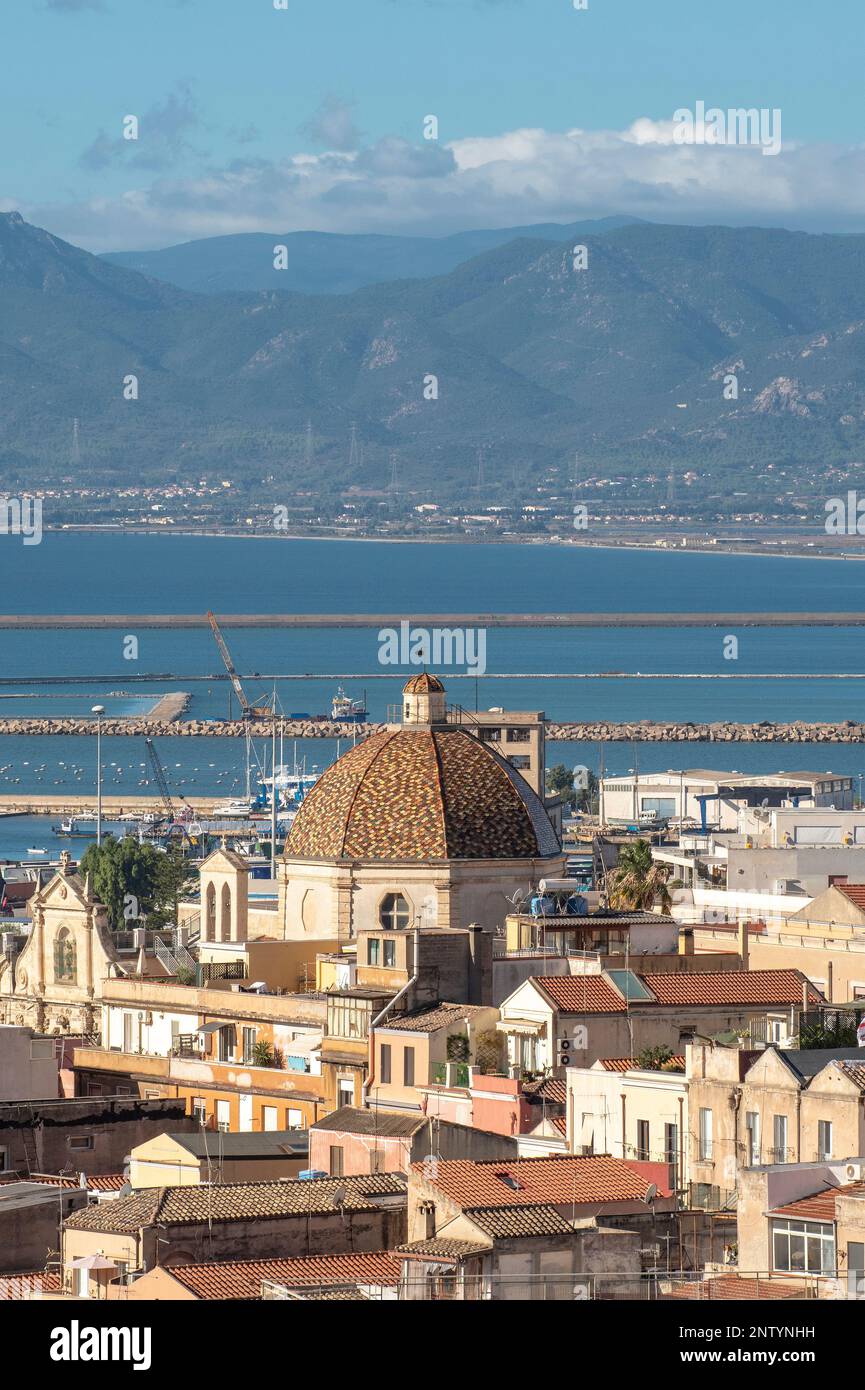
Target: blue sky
258,119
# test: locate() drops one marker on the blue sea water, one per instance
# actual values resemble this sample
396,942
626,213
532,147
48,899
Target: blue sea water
82,573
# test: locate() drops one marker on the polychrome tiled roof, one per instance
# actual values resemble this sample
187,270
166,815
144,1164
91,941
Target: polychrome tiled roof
422,794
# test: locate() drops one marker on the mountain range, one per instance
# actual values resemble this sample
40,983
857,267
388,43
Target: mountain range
623,362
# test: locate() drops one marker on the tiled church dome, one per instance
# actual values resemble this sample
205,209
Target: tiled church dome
417,794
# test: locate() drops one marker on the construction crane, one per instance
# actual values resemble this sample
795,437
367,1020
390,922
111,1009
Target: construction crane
159,774
259,711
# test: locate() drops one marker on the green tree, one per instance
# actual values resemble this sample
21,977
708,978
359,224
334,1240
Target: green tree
560,782
637,882
138,884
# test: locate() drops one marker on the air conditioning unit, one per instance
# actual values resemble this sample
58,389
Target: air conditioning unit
854,1172
781,885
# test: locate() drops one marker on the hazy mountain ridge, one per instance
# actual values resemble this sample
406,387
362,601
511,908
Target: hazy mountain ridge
534,360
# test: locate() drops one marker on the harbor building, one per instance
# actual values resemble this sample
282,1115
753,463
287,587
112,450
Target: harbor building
716,799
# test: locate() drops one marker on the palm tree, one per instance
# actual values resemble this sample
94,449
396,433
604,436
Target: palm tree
637,882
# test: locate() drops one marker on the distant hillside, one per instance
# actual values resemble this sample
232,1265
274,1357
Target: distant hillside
327,263
623,361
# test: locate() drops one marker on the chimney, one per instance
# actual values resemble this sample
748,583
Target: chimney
743,944
686,941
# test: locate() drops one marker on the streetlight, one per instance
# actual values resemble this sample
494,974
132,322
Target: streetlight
98,710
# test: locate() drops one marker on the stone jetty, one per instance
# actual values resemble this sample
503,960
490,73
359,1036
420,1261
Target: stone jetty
601,731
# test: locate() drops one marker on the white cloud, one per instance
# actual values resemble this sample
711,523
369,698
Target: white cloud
521,176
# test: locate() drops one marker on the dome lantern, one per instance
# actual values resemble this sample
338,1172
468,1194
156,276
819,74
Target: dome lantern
424,701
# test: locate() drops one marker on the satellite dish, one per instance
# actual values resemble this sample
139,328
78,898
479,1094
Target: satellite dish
339,1196
651,1193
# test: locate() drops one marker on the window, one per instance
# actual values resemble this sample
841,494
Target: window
389,954
80,1141
490,735
394,912
776,1029
199,1109
520,762
249,1035
385,1064
348,1018
643,1140
376,1161
671,1143
269,1119
4,1160
373,950
408,1066
518,735
779,1139
336,1162
227,1042
127,1032
345,1090
64,957
223,1115
294,1119
706,1136
752,1131
824,1139
94,1089
807,1247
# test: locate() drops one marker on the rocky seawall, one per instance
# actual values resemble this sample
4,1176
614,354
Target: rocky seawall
641,731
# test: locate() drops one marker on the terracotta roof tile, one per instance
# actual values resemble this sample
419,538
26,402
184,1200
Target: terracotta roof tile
440,1248
854,891
732,987
423,684
724,988
549,1088
581,994
819,1206
630,1063
430,1019
24,1286
501,1223
234,1202
537,1181
422,794
241,1279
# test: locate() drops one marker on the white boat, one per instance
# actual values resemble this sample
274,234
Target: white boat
37,851
240,806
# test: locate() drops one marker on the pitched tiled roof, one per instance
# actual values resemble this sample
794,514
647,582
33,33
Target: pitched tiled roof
724,989
732,987
23,1286
241,1279
581,994
440,1248
820,1206
430,1019
630,1063
549,1088
352,1119
96,1182
536,1181
854,891
241,1201
422,794
855,1071
503,1222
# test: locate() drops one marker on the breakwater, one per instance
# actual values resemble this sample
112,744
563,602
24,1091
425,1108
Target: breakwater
598,731
133,622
